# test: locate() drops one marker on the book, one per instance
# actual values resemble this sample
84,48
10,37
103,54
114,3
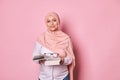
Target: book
52,61
48,60
39,57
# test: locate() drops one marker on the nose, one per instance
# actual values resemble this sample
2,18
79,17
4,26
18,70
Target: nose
51,23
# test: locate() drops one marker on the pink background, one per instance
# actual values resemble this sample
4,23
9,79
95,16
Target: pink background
94,26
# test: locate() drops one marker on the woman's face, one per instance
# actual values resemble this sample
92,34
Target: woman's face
52,22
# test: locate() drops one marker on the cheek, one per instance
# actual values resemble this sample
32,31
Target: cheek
47,24
55,23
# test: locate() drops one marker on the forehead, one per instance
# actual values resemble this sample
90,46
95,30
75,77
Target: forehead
51,16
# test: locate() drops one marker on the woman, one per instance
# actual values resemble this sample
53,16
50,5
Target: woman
55,41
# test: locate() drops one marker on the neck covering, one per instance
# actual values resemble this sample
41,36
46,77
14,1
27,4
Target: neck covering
59,42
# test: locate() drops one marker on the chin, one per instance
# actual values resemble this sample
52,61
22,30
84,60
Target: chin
53,29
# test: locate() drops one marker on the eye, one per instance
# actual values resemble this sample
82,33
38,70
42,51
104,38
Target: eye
54,20
48,21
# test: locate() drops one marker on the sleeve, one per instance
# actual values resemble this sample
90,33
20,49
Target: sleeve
37,51
67,61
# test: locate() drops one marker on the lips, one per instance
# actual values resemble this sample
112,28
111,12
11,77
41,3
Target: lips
52,26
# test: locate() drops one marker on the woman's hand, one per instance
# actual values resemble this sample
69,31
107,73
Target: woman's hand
41,61
62,61
62,58
62,54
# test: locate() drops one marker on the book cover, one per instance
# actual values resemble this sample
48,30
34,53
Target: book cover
48,60
39,57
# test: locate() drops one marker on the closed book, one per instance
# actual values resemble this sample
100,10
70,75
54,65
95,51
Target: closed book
52,61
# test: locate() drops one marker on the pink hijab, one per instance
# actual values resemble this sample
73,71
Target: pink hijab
59,42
